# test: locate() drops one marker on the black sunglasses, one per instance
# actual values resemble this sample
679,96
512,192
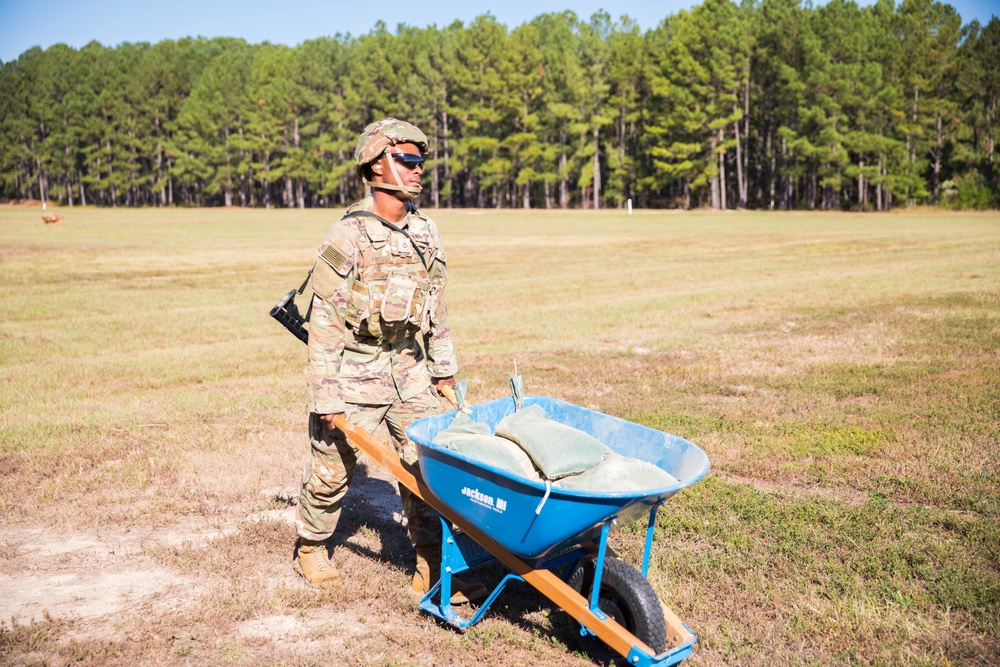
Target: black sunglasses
408,160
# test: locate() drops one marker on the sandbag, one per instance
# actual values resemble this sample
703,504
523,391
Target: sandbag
619,474
475,440
556,449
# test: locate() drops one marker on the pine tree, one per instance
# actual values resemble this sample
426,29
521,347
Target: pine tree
769,104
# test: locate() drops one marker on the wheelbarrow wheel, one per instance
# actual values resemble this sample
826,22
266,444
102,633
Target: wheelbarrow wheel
626,597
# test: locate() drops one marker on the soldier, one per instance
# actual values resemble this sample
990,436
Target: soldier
378,287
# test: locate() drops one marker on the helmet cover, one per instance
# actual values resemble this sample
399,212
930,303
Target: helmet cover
382,134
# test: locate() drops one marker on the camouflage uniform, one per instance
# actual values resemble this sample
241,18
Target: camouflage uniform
377,334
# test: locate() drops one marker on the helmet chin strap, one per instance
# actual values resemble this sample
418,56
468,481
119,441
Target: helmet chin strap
411,192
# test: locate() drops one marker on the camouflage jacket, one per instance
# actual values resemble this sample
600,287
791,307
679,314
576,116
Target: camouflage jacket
379,324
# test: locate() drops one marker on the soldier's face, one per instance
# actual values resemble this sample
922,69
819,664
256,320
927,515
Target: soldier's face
406,166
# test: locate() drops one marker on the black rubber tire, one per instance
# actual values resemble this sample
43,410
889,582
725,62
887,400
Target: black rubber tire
627,597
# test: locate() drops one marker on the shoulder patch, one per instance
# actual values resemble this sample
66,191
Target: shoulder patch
338,255
325,281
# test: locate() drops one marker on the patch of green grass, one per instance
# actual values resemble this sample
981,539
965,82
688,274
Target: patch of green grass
796,439
766,546
685,425
843,380
810,439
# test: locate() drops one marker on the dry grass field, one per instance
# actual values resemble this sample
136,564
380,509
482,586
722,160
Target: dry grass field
842,372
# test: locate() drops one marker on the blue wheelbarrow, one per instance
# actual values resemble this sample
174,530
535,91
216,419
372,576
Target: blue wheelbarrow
556,540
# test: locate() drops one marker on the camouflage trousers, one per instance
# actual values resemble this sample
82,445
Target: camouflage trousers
331,467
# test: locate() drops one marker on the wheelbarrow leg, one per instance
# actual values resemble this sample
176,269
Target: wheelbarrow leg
649,538
595,596
447,569
458,554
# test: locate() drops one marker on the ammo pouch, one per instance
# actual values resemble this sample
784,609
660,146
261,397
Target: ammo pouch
358,305
398,299
387,308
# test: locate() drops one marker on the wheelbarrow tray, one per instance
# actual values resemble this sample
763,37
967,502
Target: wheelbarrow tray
525,516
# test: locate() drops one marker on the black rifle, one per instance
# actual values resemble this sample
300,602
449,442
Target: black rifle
287,313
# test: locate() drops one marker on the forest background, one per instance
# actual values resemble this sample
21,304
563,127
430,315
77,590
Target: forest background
767,105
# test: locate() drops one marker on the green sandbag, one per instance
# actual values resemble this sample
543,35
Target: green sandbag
557,450
619,474
475,440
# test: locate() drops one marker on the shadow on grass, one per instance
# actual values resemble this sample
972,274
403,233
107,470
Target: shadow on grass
520,604
371,505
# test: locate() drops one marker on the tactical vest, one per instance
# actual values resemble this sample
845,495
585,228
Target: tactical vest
391,295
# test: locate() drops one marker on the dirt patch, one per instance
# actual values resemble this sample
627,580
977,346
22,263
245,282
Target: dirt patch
317,626
81,594
847,496
78,577
95,580
99,577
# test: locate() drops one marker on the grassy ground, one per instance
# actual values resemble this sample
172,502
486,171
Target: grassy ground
842,372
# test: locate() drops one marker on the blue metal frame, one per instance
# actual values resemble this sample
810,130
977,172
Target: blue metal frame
650,529
595,593
459,553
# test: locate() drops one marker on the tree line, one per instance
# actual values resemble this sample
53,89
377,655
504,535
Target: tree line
767,104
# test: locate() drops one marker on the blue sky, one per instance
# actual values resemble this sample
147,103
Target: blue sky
27,23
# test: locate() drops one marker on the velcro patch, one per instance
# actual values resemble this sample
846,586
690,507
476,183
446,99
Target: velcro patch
337,258
325,281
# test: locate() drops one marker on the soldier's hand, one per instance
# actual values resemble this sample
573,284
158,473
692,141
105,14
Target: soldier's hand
441,383
328,419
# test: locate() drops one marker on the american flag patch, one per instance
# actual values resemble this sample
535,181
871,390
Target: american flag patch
336,258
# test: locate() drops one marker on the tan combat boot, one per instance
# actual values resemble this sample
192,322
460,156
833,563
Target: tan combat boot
314,563
428,572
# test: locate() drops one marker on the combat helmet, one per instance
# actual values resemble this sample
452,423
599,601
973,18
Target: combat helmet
377,139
